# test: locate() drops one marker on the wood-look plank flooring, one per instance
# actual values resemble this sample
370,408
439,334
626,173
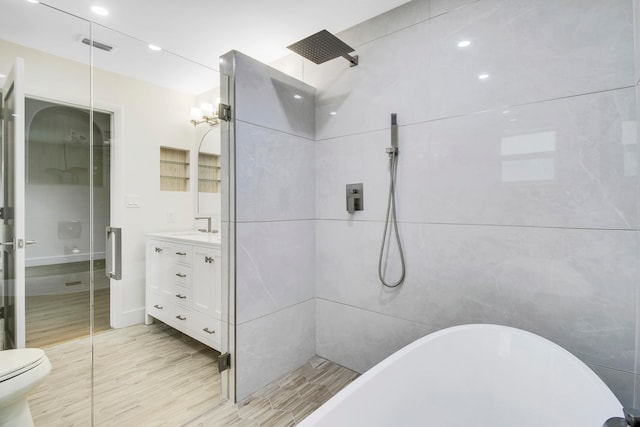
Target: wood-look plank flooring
52,319
152,375
286,401
143,376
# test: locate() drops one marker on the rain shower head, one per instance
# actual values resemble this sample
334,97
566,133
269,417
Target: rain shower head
322,47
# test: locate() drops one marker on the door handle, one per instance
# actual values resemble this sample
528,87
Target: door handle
113,242
20,243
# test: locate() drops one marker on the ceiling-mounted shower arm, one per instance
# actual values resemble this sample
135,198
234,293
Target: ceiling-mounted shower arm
352,59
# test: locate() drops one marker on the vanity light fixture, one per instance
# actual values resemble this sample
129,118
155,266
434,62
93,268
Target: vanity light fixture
204,114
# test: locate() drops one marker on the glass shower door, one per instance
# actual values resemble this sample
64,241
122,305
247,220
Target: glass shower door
13,241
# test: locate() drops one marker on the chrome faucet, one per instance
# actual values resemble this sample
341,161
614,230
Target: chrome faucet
208,229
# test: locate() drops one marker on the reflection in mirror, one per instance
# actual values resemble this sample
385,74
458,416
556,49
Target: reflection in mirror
209,202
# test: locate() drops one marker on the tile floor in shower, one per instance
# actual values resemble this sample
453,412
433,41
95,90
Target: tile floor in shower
155,376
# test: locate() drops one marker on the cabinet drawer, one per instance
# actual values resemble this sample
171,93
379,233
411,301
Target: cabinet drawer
182,254
207,329
182,275
181,319
158,307
182,295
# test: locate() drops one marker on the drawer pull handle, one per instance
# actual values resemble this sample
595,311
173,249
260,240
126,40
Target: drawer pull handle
181,275
159,307
207,330
180,317
181,296
181,253
208,259
158,250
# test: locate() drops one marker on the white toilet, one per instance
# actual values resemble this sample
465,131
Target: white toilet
21,371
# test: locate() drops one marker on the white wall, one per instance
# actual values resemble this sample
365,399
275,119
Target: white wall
517,195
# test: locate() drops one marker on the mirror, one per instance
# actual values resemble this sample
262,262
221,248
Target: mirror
208,187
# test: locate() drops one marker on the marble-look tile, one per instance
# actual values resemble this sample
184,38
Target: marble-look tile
352,159
563,163
391,77
575,287
267,97
439,7
275,266
370,337
621,384
389,22
421,73
531,51
271,346
274,175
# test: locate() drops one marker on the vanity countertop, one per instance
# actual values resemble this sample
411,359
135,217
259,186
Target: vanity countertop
192,237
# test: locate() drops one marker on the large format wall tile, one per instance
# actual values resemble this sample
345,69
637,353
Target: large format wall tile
381,335
532,51
574,287
563,163
270,98
275,266
274,175
359,99
621,384
353,159
271,346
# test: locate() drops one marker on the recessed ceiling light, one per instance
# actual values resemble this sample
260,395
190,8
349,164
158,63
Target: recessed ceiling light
464,43
483,76
154,47
99,10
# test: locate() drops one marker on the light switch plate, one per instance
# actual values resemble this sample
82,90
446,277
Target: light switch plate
132,201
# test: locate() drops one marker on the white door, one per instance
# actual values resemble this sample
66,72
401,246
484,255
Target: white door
13,206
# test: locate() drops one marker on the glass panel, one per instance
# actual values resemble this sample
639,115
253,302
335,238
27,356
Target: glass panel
162,347
57,194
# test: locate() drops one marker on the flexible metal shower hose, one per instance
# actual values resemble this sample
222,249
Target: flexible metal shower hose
391,217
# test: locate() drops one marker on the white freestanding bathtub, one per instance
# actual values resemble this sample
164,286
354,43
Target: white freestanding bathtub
474,375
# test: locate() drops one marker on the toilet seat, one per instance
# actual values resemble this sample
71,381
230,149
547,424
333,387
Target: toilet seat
16,362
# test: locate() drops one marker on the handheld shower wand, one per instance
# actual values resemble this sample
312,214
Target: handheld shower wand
394,135
391,206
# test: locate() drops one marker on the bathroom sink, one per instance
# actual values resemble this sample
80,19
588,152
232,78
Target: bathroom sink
194,236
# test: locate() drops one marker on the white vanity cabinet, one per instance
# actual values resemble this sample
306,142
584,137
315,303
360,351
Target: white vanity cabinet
183,286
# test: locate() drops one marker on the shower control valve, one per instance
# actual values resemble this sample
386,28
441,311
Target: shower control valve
355,198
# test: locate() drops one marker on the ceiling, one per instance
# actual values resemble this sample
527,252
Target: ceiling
192,33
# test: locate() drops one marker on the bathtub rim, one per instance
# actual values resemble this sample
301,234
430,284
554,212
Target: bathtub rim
316,417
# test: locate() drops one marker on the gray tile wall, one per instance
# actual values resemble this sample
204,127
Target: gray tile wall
517,194
275,245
